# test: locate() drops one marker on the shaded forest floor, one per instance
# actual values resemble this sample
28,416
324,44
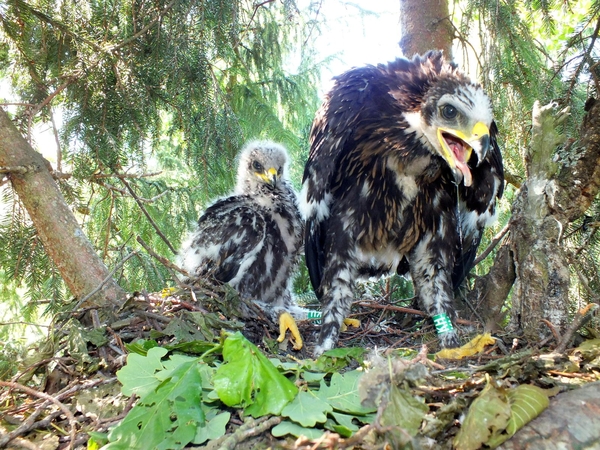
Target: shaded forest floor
67,388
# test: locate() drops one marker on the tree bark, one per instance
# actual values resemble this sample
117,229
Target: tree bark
79,265
425,26
554,194
541,289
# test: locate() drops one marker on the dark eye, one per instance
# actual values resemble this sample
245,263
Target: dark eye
257,166
449,112
280,171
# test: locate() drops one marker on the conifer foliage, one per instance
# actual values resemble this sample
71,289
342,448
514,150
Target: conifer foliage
149,103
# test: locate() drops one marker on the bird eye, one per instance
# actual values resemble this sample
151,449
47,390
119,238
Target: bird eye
257,166
280,171
449,112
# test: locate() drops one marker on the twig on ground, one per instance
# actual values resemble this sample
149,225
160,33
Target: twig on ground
408,311
251,428
24,428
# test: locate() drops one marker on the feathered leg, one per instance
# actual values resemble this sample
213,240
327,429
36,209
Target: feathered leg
336,294
430,260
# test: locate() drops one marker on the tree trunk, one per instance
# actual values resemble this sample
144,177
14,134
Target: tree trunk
81,268
425,26
552,196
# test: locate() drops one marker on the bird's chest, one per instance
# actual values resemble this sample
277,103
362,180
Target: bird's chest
285,224
400,209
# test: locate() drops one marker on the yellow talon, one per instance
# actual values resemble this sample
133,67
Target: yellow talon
349,323
287,322
166,292
474,346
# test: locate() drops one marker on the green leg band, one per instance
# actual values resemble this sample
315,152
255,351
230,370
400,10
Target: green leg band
442,323
314,315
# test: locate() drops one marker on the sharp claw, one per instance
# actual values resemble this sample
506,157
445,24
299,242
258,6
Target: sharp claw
349,323
287,322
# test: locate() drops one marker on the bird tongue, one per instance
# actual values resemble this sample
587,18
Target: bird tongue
460,155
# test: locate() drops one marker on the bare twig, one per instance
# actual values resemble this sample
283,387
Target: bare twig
580,319
16,433
585,58
110,187
154,225
23,323
408,311
249,429
493,244
106,280
164,261
552,328
150,24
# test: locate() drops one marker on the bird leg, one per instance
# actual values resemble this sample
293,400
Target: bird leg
433,284
287,322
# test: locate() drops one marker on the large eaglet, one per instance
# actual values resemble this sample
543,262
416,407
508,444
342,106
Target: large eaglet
252,239
403,175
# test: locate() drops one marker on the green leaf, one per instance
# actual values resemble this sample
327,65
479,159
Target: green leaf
141,346
213,429
337,428
346,421
342,393
486,418
248,379
166,418
338,358
526,403
138,376
312,377
96,440
294,429
307,410
403,410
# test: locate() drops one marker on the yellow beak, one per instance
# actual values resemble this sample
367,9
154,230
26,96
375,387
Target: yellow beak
457,147
269,176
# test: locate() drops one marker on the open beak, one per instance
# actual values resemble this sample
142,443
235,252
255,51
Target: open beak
458,146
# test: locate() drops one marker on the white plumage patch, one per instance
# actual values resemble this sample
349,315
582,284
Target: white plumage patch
251,239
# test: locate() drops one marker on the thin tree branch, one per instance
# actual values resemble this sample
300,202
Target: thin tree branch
154,225
108,278
153,22
408,311
581,318
493,244
164,261
584,60
253,427
124,192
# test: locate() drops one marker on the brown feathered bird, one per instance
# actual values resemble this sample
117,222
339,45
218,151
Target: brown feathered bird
403,175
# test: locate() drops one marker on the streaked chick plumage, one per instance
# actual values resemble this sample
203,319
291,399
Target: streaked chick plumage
252,238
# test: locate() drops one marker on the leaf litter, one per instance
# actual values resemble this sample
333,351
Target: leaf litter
191,371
